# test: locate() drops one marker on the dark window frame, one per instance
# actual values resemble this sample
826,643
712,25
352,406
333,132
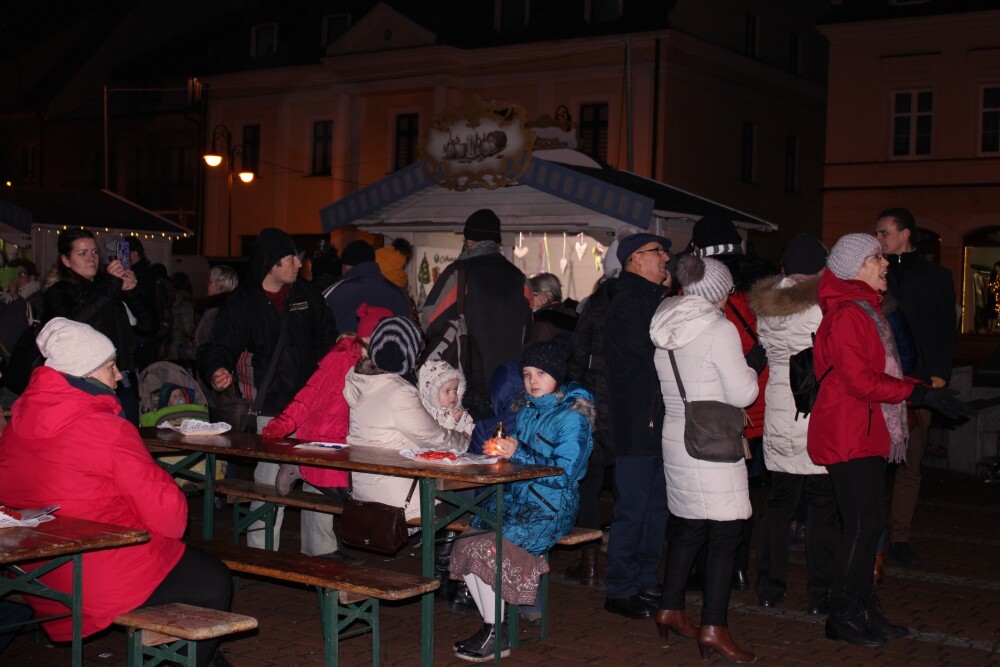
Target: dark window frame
251,149
912,126
406,138
748,152
593,129
989,120
257,43
322,148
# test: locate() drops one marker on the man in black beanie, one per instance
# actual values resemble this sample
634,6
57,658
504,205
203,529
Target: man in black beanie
251,320
496,303
362,282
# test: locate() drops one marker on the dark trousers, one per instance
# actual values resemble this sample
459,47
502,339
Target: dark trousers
201,580
821,535
590,493
860,490
638,527
721,540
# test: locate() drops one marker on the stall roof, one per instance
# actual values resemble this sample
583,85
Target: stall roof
14,218
88,208
562,190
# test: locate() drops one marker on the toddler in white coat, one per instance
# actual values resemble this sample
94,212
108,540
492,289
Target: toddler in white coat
441,389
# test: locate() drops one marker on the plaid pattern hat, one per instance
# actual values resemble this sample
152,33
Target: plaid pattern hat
395,345
849,254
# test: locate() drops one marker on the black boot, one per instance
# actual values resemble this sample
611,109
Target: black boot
878,623
848,622
461,601
481,646
585,571
442,558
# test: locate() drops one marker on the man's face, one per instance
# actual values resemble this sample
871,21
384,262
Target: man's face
287,270
893,240
650,261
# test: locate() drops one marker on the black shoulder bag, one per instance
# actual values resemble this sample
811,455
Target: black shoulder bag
713,430
802,380
373,526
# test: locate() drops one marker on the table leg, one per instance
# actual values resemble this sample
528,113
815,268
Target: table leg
498,579
427,538
77,609
208,530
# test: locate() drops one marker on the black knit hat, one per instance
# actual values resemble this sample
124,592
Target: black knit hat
483,225
358,252
271,246
804,255
715,234
395,345
549,356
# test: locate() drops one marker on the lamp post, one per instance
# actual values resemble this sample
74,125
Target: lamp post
213,158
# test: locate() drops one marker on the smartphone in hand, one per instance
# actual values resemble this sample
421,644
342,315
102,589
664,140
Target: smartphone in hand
124,255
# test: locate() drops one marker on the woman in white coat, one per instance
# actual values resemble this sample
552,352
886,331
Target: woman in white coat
707,500
386,411
788,314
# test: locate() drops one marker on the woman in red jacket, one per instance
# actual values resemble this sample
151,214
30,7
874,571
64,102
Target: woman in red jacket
857,423
68,444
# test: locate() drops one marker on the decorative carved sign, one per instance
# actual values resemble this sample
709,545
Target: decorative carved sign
558,132
478,145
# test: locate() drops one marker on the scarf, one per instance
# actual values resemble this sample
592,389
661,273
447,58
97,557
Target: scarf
480,248
893,413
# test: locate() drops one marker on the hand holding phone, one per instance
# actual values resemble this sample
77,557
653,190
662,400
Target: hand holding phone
124,255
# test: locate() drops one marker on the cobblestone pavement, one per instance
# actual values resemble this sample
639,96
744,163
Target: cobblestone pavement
951,603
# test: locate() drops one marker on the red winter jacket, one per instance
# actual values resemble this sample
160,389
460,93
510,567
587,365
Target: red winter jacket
846,422
755,411
319,411
66,447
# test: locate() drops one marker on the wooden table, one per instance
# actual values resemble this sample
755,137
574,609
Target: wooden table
436,481
59,541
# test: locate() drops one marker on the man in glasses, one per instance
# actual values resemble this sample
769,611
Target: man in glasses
635,408
926,297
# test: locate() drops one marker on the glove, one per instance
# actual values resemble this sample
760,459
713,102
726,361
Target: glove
940,400
756,358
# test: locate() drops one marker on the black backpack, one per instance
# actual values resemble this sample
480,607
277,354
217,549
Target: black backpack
803,381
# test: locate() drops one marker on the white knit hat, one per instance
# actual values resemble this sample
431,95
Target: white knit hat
705,277
849,254
432,376
74,348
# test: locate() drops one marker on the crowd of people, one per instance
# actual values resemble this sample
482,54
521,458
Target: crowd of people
601,389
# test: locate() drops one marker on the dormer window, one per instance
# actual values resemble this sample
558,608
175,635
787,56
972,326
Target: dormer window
264,41
334,25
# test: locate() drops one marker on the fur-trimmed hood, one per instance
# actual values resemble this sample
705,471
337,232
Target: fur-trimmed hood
572,394
783,296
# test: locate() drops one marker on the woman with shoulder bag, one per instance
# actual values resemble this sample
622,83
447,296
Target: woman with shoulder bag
699,358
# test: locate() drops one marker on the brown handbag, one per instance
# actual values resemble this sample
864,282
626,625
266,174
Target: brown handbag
713,430
373,526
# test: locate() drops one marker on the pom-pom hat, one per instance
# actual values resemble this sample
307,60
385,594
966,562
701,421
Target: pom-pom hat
395,345
704,277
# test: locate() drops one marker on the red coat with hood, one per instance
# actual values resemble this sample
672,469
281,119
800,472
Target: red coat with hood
846,421
64,446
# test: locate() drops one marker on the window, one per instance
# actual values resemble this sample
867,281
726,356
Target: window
912,114
594,130
510,15
322,143
407,131
264,41
791,163
749,147
750,36
602,11
794,53
334,25
251,149
990,141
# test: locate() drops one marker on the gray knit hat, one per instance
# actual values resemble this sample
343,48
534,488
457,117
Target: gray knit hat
704,277
849,254
74,348
395,345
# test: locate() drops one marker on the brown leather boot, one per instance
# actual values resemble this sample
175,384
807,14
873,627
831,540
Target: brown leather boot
716,638
879,565
585,571
676,620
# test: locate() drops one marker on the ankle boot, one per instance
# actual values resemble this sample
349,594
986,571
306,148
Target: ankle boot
676,620
287,474
484,646
442,558
585,571
716,638
848,622
879,565
878,623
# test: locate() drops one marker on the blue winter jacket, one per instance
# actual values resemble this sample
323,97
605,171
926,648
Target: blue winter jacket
553,430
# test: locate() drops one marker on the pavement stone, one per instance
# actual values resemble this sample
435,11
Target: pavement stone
950,602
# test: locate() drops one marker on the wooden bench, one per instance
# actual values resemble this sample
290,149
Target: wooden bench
347,593
161,632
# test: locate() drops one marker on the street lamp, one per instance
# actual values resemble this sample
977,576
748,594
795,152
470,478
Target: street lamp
213,158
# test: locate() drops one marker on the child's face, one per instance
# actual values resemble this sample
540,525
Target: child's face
448,394
177,397
537,382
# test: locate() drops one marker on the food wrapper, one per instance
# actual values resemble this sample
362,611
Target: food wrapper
197,427
447,458
27,518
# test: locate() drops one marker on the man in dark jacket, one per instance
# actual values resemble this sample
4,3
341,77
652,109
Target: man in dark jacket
496,303
926,297
636,411
251,320
362,282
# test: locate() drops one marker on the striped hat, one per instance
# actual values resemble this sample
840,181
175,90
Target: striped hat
395,345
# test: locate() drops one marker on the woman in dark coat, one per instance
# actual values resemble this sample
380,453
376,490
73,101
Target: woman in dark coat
106,299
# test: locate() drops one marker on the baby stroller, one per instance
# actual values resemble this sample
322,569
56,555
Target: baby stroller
169,393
